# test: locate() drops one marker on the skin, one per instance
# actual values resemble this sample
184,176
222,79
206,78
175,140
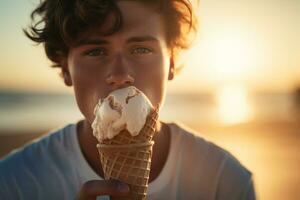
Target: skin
136,55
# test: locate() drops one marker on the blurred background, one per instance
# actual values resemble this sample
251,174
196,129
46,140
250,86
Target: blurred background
240,87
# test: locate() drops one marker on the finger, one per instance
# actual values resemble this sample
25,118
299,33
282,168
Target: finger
91,189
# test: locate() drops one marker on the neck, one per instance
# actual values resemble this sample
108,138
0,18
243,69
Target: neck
88,147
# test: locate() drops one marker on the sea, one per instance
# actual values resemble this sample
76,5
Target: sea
20,111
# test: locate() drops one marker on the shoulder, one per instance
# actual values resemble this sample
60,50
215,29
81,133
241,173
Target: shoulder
199,146
52,142
218,167
35,163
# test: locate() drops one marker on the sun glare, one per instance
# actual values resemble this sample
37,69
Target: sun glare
231,56
233,104
225,55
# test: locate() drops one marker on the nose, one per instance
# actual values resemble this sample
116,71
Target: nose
119,80
119,75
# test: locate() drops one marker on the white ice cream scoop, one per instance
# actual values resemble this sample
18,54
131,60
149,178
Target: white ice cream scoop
125,108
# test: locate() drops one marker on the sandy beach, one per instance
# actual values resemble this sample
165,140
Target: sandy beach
270,151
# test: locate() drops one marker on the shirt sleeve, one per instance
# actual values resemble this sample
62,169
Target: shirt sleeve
249,193
7,184
235,181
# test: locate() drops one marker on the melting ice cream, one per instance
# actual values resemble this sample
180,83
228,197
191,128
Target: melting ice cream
125,108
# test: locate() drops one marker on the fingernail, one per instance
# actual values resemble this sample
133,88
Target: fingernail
122,187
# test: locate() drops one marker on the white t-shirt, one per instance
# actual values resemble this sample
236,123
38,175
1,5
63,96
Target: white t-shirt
54,167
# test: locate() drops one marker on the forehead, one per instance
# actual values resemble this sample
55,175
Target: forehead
137,18
136,13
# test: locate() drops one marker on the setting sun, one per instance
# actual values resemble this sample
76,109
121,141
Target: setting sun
233,104
226,55
230,56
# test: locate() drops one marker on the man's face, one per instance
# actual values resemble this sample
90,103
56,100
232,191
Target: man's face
136,55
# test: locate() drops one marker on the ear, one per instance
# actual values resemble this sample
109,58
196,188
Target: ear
171,69
65,72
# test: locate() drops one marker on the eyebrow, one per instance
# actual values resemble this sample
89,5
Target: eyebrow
91,41
142,39
88,41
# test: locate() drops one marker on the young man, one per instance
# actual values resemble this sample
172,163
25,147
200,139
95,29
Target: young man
100,46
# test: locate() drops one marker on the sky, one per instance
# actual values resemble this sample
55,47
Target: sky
253,43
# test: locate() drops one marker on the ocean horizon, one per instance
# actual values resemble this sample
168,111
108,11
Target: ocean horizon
21,111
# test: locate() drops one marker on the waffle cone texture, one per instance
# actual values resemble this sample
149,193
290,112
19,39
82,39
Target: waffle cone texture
128,158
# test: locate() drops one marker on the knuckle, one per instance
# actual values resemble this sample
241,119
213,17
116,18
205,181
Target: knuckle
86,187
97,187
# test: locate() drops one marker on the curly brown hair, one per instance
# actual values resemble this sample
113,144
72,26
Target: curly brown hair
63,21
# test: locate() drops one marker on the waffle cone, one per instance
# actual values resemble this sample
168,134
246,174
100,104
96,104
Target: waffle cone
128,158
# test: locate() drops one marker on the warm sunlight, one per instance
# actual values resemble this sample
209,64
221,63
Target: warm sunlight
231,56
227,55
233,104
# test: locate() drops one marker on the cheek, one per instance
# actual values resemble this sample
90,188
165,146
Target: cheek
153,79
87,88
86,100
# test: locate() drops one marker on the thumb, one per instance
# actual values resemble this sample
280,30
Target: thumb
91,189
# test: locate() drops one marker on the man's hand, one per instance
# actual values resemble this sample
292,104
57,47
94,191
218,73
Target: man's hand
91,189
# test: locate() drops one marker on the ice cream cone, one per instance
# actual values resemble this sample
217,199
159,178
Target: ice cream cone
128,158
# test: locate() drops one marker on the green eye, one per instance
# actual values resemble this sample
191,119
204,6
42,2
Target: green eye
141,50
96,52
